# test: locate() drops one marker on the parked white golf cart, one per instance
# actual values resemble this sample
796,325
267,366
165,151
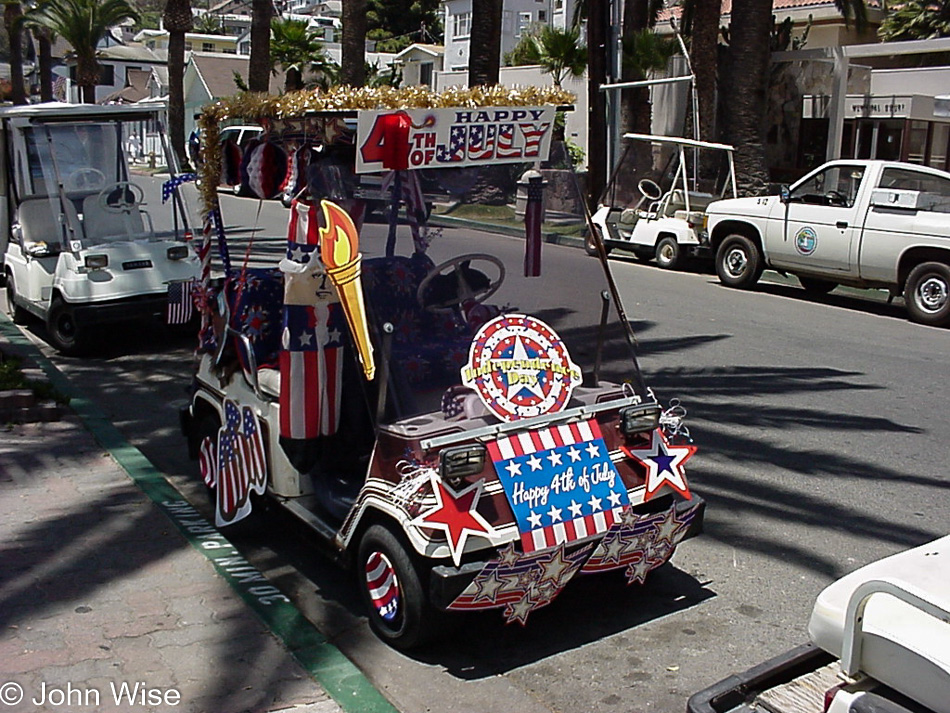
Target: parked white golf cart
79,247
668,222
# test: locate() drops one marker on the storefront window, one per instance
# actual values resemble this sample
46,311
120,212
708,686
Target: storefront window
917,142
938,146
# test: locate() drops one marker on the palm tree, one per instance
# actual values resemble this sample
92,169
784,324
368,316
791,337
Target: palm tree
559,53
916,20
178,20
484,53
703,29
353,67
44,42
296,48
12,20
83,24
258,65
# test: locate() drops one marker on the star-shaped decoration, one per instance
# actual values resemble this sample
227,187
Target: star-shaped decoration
455,513
535,463
487,587
555,514
576,508
299,255
555,567
305,338
638,571
532,382
664,464
513,468
615,499
508,556
519,610
613,546
554,457
595,503
333,335
593,450
534,519
574,454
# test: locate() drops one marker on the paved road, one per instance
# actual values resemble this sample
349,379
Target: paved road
822,446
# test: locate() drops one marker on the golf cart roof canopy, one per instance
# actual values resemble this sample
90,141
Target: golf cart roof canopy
58,111
678,141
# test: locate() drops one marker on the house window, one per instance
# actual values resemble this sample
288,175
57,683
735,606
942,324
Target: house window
524,22
542,16
207,46
425,73
107,75
461,25
558,4
229,50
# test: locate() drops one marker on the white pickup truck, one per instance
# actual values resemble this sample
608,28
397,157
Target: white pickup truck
869,224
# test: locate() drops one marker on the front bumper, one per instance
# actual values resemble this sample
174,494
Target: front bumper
124,310
520,582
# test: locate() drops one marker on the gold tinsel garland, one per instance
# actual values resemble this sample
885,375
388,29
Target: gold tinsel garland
260,108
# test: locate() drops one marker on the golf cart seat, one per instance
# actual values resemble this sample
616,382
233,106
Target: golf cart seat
39,222
903,637
697,201
99,223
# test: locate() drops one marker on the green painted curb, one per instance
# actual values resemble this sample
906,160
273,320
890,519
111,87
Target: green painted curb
325,663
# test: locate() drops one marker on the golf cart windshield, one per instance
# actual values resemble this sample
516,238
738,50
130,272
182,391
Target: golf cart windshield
81,157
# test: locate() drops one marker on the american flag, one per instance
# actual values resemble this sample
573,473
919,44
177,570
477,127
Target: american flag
171,185
382,585
481,141
506,142
456,147
240,465
311,370
533,133
180,303
533,217
560,482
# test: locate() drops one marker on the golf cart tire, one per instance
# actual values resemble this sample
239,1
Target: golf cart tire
17,313
591,249
64,334
414,621
669,254
739,262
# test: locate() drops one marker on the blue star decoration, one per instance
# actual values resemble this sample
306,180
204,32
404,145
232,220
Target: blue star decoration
664,464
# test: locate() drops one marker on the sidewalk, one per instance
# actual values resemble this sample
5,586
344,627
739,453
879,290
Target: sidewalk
115,595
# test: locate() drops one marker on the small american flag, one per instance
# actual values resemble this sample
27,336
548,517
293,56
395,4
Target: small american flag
180,303
171,185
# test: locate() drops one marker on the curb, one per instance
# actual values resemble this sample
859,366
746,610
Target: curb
448,221
325,663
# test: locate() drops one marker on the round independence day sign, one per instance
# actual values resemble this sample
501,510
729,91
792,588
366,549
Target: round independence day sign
520,368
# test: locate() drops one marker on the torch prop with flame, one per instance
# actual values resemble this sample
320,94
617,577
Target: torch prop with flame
339,243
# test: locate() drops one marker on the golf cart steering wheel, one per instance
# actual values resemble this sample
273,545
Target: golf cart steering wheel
463,291
650,189
121,197
85,179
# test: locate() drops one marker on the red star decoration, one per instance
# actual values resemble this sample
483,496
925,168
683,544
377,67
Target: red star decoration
664,464
455,514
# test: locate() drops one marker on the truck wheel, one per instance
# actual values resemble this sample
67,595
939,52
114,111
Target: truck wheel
17,313
389,585
669,255
64,334
816,286
927,294
739,262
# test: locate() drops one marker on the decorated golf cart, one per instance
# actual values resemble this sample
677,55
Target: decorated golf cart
84,242
429,404
667,222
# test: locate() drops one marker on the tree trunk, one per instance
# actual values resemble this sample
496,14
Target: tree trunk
597,23
353,66
747,91
703,57
176,95
636,113
259,64
484,54
12,12
87,77
45,58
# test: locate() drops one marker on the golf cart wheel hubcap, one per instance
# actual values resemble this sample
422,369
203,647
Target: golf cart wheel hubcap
736,262
666,252
932,294
382,585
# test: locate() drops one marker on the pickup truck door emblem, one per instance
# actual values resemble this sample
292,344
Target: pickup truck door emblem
806,240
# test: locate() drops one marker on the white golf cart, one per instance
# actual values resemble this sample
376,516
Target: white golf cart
668,221
79,247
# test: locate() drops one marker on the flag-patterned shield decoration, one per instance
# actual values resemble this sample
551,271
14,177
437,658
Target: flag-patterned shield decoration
237,467
560,482
382,584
